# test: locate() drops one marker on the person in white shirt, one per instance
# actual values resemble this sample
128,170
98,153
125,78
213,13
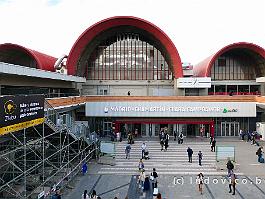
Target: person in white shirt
143,147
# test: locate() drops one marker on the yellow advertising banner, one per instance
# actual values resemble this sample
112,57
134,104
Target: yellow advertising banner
20,126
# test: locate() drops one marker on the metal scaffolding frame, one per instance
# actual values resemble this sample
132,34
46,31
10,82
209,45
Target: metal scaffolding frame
42,158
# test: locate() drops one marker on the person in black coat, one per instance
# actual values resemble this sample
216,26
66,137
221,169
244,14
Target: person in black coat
190,152
213,145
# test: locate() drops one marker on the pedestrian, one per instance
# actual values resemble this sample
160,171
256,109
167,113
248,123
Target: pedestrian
130,138
84,168
143,147
213,145
259,154
229,166
153,178
127,151
200,158
118,136
232,182
141,165
166,141
253,137
181,137
240,134
175,135
158,196
141,179
146,184
190,152
199,181
162,144
249,136
211,139
93,194
85,195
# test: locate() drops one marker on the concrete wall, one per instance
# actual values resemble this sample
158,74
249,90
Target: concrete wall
136,88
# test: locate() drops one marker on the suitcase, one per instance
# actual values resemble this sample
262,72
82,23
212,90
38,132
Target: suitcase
261,160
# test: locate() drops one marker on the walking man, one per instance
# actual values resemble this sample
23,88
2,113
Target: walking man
190,152
181,138
200,158
213,145
143,147
127,151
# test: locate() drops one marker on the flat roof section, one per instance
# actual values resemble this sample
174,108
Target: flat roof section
33,72
67,101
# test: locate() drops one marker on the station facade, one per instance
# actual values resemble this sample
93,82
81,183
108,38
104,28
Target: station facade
137,82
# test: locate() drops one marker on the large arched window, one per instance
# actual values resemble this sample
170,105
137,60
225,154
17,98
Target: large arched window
235,65
127,56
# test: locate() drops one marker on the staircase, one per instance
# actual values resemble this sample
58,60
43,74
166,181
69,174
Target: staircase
174,161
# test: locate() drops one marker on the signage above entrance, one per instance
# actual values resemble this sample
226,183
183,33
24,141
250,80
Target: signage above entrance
194,82
170,109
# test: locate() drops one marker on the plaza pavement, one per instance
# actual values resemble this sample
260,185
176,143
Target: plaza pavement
176,176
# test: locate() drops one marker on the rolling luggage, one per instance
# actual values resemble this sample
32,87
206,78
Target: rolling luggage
261,160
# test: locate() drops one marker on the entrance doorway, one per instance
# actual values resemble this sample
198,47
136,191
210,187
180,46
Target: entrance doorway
229,128
191,130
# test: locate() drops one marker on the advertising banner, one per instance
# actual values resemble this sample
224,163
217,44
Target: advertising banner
19,112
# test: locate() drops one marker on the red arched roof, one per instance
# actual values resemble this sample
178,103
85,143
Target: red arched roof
112,22
203,69
44,62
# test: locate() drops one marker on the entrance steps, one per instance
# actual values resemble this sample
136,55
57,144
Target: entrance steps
174,161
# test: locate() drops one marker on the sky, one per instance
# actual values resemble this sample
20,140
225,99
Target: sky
198,28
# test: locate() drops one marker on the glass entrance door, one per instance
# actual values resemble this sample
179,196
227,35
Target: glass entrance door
107,128
229,128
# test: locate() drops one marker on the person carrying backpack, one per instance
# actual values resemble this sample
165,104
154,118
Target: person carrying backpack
229,166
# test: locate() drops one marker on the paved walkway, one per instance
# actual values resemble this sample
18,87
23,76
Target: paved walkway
172,167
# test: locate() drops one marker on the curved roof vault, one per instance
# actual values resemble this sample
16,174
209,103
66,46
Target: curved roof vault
105,25
19,55
203,69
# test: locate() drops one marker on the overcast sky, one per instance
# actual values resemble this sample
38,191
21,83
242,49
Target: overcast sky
198,28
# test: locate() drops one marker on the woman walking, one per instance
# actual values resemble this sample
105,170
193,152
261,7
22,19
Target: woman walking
200,181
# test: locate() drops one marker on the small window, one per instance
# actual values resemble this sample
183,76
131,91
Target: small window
221,62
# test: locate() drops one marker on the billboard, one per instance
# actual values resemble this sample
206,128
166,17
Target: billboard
19,112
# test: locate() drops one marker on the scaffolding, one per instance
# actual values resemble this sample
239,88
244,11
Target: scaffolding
37,160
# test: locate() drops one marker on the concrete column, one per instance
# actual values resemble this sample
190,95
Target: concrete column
262,89
178,91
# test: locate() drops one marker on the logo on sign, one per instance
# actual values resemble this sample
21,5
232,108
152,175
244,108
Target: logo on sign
106,110
233,110
10,107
